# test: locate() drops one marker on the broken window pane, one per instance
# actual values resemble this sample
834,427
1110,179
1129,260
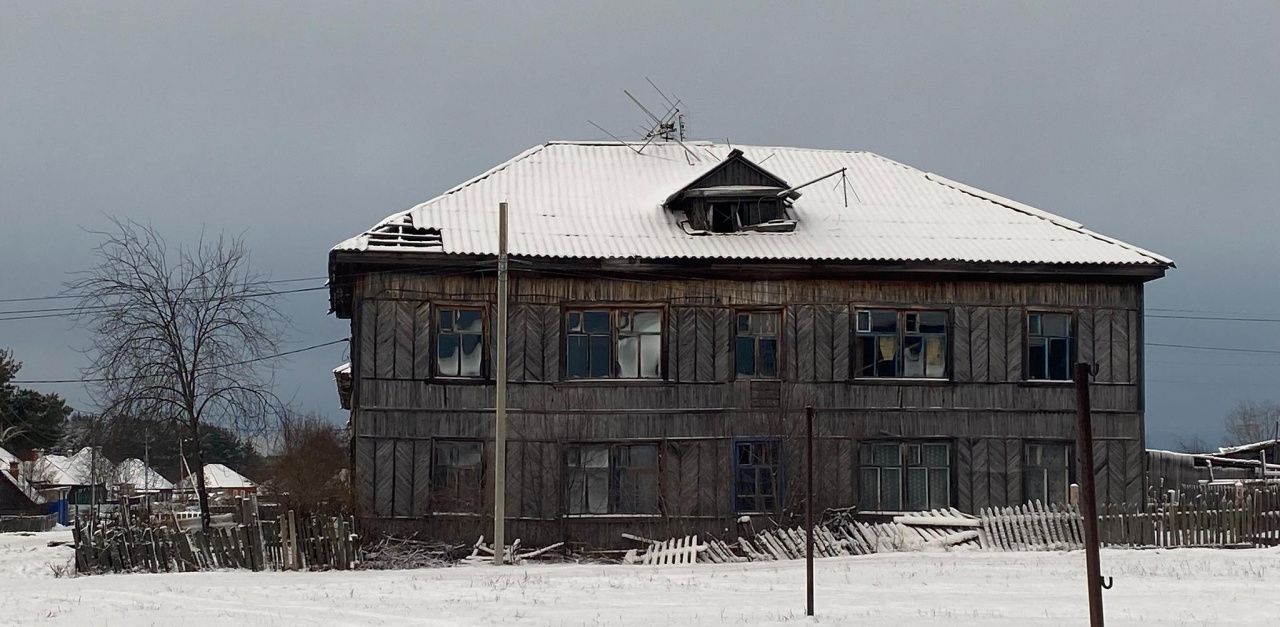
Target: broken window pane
910,344
459,342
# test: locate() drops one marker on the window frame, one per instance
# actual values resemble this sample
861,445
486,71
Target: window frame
435,341
1071,466
612,472
779,475
432,497
903,467
613,310
778,359
1074,344
855,348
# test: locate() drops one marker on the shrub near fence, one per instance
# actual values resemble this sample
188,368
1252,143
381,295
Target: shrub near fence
287,543
1198,518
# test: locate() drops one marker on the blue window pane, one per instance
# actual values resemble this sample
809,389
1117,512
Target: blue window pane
601,355
767,360
469,320
447,354
596,321
746,356
444,319
576,357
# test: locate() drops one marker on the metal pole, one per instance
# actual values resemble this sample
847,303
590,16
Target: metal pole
1088,498
808,511
500,400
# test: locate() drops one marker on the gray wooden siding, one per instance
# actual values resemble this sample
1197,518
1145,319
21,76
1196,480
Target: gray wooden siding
985,410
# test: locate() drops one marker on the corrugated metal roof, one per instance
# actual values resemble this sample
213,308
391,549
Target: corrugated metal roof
602,200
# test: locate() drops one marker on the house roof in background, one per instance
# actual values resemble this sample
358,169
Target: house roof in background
603,200
142,477
219,477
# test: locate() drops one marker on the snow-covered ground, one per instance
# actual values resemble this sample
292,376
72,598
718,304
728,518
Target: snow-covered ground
1181,587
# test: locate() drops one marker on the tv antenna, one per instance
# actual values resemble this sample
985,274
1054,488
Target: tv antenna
669,127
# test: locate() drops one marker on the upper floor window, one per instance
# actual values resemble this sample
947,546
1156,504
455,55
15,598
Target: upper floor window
894,343
730,215
613,479
1050,346
613,343
459,341
757,467
1046,472
756,350
905,475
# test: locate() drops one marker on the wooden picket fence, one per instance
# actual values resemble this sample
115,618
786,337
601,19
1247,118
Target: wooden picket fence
287,543
1197,519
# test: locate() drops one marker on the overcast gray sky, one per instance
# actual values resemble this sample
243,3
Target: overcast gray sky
300,124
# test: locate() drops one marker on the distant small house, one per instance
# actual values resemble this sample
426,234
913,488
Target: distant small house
73,479
133,476
1266,451
221,481
1259,461
17,495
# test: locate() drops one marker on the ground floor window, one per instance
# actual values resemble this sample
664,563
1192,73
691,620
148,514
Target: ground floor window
898,475
757,470
457,480
612,479
1046,472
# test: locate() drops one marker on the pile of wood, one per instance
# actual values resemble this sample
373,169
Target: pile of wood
393,553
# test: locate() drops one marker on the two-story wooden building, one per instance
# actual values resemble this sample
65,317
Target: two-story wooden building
673,310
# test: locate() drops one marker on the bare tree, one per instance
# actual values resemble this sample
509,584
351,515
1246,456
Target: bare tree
1252,422
185,334
308,471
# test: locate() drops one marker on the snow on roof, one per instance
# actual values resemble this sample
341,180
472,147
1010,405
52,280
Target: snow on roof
219,477
75,470
602,200
1247,448
22,484
142,477
6,457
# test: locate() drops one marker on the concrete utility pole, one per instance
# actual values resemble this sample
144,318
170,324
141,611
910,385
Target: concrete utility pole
500,400
1088,497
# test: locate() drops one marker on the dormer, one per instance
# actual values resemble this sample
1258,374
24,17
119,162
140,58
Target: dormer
735,196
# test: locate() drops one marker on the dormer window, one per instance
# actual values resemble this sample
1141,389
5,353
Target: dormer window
733,197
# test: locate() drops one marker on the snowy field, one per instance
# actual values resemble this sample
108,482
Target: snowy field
1182,587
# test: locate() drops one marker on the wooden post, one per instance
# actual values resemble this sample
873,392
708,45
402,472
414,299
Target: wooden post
1088,497
500,400
808,511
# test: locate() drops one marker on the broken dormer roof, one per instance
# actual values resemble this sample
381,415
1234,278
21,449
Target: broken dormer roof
603,200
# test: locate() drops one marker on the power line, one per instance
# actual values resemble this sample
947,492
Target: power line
72,296
71,311
1222,318
237,363
1259,351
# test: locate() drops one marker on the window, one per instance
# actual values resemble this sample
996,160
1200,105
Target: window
896,476
732,215
910,344
459,342
1050,346
457,482
756,351
613,479
1046,472
757,468
617,343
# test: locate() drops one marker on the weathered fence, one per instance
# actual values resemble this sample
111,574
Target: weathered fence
287,543
39,522
1198,518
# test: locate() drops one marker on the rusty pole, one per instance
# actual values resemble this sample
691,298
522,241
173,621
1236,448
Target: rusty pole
808,511
1088,497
